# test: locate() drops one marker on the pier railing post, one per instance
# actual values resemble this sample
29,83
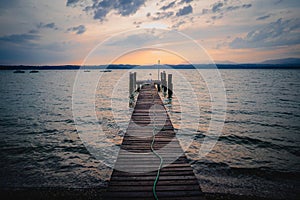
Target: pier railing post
170,86
130,85
134,81
164,81
161,83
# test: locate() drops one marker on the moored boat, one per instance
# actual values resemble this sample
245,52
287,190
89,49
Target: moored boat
19,72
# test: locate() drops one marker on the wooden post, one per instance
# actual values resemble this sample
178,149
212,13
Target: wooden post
170,86
158,63
164,82
161,81
130,85
134,81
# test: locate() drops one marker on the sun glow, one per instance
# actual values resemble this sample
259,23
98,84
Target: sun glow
149,57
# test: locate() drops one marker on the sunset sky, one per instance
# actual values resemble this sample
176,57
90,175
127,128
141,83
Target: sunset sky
37,32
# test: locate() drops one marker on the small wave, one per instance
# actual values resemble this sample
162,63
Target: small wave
263,124
50,131
77,149
18,150
263,172
69,121
266,172
243,140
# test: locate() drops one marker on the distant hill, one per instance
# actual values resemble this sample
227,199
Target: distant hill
285,61
224,62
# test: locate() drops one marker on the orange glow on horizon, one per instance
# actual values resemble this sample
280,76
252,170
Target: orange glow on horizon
149,57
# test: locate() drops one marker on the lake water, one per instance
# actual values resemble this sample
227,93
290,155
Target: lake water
257,153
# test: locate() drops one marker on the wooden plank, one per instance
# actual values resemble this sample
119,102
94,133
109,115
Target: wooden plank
148,178
143,194
164,198
159,188
161,182
153,174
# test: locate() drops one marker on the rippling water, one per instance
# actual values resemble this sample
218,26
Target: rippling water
257,153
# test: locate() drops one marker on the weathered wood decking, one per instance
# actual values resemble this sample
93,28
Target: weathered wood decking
136,166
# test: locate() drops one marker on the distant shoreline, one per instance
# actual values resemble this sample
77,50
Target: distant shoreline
188,66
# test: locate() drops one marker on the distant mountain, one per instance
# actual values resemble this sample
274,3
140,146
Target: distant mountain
224,62
282,61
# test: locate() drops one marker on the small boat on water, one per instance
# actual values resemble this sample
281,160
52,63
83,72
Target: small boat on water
34,71
106,70
19,72
86,71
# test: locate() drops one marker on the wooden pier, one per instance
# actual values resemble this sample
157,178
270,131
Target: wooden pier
137,166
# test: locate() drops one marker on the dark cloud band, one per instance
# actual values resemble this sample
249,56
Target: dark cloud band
101,8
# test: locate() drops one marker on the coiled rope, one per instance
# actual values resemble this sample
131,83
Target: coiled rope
154,152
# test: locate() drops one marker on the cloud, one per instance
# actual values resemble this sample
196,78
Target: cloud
278,33
205,11
25,38
178,24
6,4
217,7
134,40
215,17
185,10
49,25
247,5
101,8
163,15
137,24
34,54
72,2
182,11
263,17
77,29
220,8
33,31
170,5
232,8
185,1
